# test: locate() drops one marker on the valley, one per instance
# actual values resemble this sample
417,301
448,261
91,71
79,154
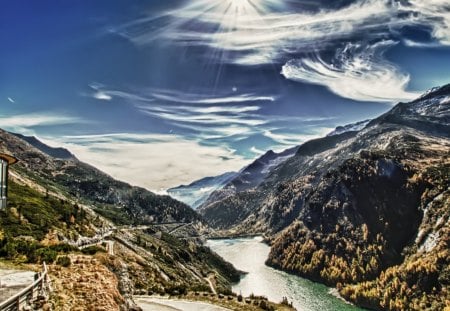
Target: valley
362,210
217,155
365,209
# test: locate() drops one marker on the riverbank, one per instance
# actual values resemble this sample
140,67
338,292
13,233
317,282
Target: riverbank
250,254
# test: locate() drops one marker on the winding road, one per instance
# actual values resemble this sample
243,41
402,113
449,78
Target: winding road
150,303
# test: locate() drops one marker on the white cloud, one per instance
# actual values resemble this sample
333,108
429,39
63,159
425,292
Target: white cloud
101,93
260,31
25,122
204,118
155,162
289,139
199,110
357,71
257,151
191,98
434,13
263,32
102,96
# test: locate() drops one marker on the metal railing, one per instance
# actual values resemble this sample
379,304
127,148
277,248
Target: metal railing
25,296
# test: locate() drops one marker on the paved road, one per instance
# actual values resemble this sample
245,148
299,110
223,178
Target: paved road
151,303
13,281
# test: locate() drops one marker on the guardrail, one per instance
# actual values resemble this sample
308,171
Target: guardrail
25,296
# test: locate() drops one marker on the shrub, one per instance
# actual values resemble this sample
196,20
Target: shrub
45,254
63,261
92,250
64,248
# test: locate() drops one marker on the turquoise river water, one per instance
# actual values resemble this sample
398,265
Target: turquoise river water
249,255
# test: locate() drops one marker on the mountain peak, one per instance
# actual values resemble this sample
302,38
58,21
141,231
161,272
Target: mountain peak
435,92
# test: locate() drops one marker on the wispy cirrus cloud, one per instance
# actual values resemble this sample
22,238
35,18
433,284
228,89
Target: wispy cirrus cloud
24,123
261,33
265,32
224,121
433,13
234,115
102,93
285,139
357,71
192,98
210,116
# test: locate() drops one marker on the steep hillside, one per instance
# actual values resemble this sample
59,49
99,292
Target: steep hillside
353,127
355,208
60,208
113,199
248,178
229,211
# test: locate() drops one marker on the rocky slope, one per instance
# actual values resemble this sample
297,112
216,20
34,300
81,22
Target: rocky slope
74,288
365,210
248,178
357,126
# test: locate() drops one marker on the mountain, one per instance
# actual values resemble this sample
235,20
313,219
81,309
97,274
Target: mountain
79,221
249,177
114,199
59,153
367,211
357,126
198,191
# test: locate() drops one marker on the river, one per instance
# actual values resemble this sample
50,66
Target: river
249,255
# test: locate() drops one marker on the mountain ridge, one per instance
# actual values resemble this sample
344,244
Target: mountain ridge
59,153
83,180
347,209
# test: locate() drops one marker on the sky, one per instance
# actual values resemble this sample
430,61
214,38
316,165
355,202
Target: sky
160,93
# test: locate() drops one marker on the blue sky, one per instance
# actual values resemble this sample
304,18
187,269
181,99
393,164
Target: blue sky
159,93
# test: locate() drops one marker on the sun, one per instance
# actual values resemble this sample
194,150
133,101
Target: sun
228,14
227,26
235,14
241,4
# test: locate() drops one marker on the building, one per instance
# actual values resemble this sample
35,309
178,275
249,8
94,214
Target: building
5,161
